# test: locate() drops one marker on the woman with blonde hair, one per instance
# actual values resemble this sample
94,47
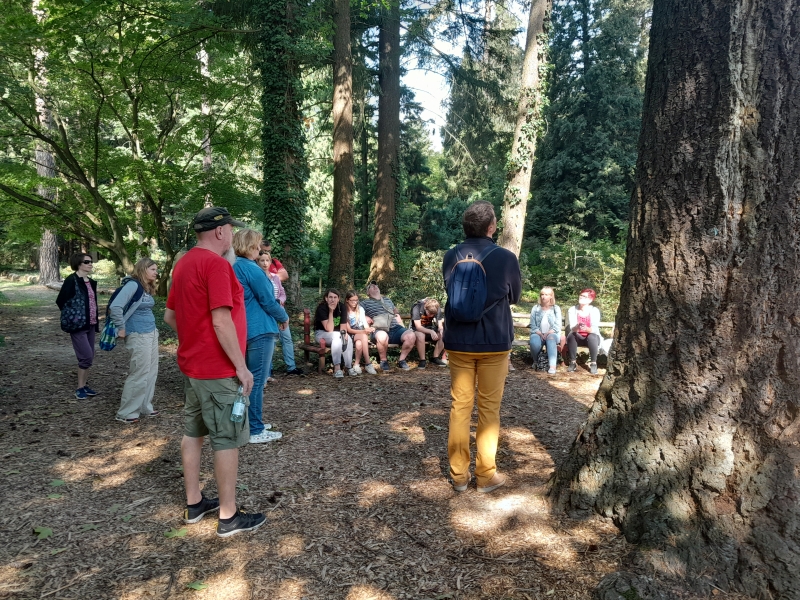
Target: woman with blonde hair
132,313
263,315
546,328
356,326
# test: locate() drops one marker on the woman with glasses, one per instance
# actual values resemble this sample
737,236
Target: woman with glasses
584,330
132,313
85,325
356,326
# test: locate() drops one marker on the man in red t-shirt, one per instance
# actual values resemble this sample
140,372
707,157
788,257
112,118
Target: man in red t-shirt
206,308
276,266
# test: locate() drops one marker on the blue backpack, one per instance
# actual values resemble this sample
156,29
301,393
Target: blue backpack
108,337
466,287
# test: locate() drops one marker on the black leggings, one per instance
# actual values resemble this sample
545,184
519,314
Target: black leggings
591,341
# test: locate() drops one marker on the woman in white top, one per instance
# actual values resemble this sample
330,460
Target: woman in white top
584,330
356,326
546,328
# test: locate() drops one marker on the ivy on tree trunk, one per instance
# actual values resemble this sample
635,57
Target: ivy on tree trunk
691,445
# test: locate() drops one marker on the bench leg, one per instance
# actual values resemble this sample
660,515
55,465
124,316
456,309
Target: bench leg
321,366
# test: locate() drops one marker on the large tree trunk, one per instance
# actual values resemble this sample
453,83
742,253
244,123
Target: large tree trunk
340,273
382,267
691,445
515,198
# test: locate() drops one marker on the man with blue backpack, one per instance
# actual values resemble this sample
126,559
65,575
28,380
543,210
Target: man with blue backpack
482,281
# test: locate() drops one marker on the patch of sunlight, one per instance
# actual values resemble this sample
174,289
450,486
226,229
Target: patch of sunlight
488,515
291,589
407,424
290,545
552,548
677,505
367,592
305,392
334,492
10,579
114,468
372,492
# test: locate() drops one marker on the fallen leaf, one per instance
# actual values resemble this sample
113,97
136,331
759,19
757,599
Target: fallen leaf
44,532
176,532
57,483
89,527
127,518
55,496
197,585
114,508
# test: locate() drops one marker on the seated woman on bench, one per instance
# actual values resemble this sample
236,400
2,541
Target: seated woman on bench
356,325
328,325
546,328
584,330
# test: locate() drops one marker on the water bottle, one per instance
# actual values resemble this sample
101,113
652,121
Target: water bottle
239,406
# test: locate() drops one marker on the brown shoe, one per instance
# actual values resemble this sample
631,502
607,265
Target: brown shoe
462,487
495,482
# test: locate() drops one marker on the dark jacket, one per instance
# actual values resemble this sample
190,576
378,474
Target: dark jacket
495,331
68,292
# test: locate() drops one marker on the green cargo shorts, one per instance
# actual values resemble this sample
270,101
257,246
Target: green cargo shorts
207,412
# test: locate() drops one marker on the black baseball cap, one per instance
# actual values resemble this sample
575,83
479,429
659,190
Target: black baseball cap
373,282
213,217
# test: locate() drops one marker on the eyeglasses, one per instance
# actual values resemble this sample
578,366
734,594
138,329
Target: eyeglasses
87,262
585,296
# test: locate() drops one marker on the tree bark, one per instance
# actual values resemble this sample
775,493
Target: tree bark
340,272
520,168
382,267
691,445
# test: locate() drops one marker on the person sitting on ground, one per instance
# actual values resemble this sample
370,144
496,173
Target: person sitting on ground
356,326
382,314
546,328
284,335
584,330
328,326
276,267
427,322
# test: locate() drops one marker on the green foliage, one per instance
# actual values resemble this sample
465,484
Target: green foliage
586,159
570,262
419,276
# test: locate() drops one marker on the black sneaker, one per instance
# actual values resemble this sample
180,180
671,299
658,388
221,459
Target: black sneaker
240,522
438,362
295,371
422,364
192,514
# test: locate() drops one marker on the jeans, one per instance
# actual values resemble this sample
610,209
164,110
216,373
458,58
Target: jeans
287,347
259,361
552,348
488,370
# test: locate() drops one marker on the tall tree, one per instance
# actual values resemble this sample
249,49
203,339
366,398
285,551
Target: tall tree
340,271
520,164
382,267
691,443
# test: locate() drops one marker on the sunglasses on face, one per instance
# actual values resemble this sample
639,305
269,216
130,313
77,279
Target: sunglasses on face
87,262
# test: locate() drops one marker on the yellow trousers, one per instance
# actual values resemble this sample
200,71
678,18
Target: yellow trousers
488,370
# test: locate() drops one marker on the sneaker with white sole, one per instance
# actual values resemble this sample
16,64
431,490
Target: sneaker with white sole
239,523
438,362
356,369
339,374
265,436
353,373
403,365
385,366
593,368
192,514
370,369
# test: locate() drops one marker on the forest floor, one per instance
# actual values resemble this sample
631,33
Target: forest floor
356,492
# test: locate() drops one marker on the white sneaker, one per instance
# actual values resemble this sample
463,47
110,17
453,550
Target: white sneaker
370,369
356,369
339,374
265,436
352,372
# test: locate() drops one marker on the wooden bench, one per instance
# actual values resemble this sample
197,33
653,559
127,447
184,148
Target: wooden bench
521,321
308,346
